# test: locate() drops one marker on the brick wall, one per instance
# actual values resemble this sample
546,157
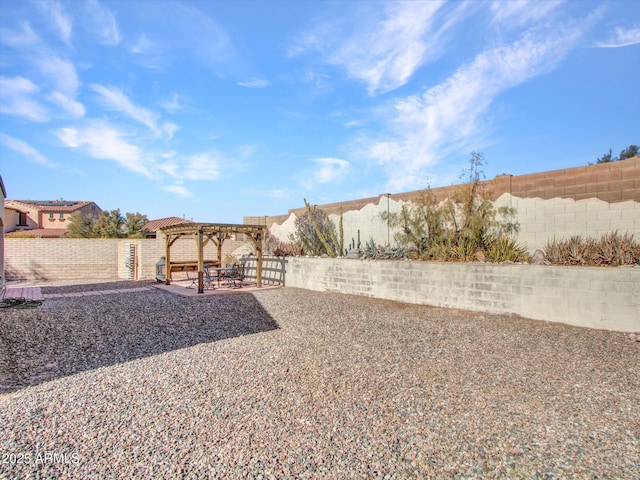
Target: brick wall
95,259
60,259
604,298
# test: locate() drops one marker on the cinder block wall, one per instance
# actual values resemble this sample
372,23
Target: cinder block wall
603,298
542,220
586,201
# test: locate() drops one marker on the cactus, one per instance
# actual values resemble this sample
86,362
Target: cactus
321,236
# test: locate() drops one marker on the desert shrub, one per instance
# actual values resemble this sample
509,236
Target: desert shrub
378,252
465,227
286,249
273,246
315,231
419,225
611,249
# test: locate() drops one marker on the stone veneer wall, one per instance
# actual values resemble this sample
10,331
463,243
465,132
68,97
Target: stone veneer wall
594,297
585,201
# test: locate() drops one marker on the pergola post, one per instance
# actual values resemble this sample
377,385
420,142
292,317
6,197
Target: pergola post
256,239
220,238
259,260
199,239
167,260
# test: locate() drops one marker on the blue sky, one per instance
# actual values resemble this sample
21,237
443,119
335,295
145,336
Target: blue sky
219,109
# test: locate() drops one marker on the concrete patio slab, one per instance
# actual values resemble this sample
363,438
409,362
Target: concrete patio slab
182,288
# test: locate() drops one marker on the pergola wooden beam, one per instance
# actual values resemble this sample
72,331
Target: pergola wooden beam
217,233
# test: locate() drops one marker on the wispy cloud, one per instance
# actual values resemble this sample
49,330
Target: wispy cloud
622,37
148,53
57,80
60,72
142,45
516,13
451,116
114,99
202,166
198,34
179,190
26,37
104,141
326,170
26,150
255,83
174,104
384,48
61,21
101,22
100,140
72,107
18,99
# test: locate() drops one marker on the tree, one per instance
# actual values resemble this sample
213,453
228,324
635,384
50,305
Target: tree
629,152
80,226
109,225
134,225
606,158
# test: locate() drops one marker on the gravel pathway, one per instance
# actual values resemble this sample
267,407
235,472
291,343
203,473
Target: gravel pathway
290,383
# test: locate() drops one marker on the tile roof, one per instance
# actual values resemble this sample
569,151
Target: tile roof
155,225
39,232
50,205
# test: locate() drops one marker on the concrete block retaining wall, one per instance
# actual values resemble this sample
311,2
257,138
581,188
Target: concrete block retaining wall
603,298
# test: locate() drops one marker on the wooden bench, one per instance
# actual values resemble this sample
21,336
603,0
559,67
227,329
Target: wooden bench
186,267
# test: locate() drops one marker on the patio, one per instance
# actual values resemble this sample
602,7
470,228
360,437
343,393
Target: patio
185,288
204,233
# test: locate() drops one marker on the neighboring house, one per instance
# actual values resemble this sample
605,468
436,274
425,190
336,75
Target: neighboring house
152,226
44,218
4,195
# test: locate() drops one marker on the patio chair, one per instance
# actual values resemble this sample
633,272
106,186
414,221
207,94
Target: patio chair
209,280
235,275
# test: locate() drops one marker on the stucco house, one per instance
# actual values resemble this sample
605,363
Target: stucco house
44,218
3,192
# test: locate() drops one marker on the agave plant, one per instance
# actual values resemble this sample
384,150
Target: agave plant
506,249
611,248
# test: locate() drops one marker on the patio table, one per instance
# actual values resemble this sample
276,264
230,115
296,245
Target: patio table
219,273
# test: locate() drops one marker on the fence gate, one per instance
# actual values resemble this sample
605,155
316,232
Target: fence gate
130,261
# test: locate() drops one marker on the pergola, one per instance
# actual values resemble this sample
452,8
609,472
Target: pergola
216,233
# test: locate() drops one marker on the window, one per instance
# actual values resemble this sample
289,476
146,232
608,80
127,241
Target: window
61,216
51,216
22,219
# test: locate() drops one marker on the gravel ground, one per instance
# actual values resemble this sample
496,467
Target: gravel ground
289,383
94,287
